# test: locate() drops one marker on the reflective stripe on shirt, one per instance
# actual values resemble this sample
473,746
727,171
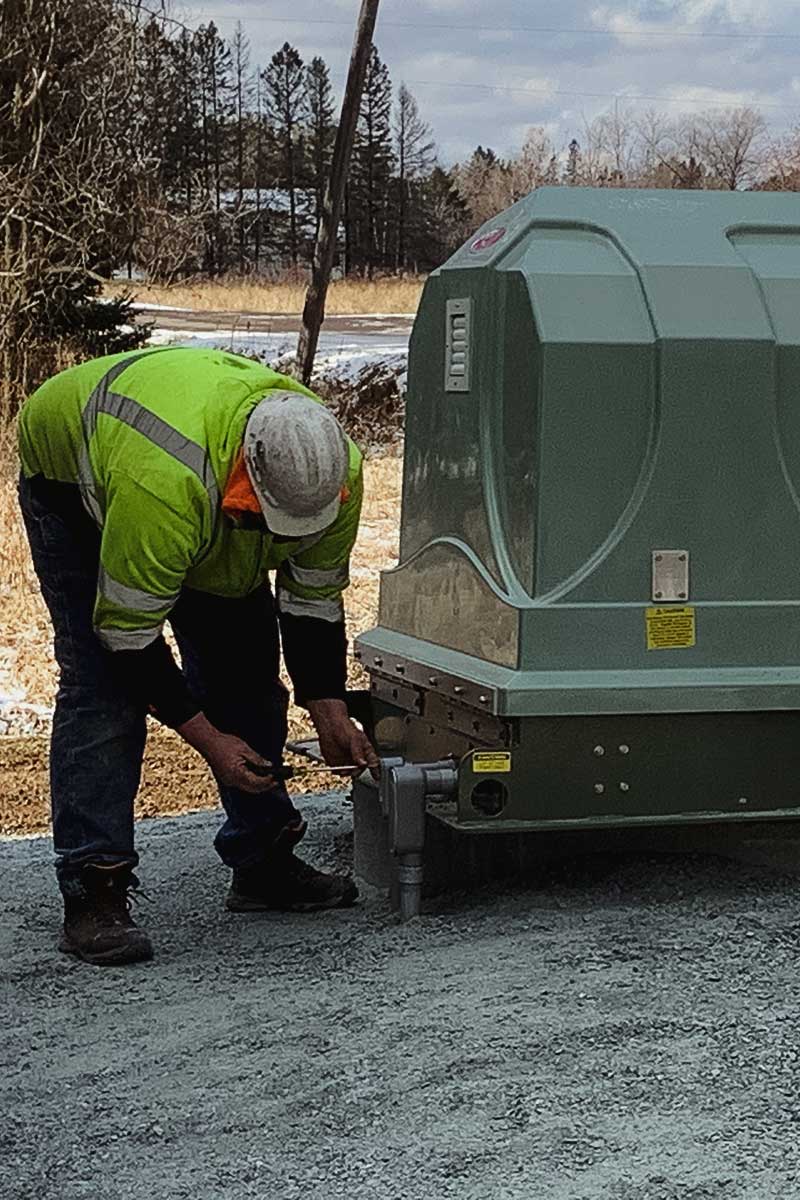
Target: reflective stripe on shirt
136,416
134,599
128,639
317,577
298,606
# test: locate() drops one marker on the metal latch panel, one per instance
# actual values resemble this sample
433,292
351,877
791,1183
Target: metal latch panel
458,342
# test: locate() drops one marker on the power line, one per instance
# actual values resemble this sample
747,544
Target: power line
498,87
548,30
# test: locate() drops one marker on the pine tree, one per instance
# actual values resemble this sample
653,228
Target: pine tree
187,134
372,168
258,169
572,172
242,99
414,154
285,96
321,130
216,105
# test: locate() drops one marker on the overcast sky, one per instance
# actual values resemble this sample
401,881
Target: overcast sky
530,73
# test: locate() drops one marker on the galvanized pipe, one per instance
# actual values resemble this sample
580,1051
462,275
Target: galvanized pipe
405,788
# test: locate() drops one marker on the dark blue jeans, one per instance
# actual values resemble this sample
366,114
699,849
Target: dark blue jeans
230,655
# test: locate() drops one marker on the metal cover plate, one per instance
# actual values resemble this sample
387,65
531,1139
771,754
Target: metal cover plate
670,575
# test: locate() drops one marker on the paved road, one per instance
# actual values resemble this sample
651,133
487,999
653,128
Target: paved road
198,320
626,1029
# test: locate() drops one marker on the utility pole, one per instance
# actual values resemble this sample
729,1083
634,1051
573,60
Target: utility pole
314,310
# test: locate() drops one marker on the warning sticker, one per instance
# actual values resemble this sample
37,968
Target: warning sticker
494,762
670,628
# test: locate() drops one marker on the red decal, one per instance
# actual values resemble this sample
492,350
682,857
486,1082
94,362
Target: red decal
487,239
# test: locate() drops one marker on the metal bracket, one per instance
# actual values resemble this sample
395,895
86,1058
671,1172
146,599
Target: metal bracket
392,666
400,694
478,726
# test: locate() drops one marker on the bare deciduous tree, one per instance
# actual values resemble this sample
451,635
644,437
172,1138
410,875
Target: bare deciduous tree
535,165
731,143
66,176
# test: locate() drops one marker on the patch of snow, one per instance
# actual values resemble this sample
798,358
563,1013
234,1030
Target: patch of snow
341,354
19,718
146,306
377,316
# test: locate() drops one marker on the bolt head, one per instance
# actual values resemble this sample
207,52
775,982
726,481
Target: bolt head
624,787
599,751
743,800
599,788
378,662
624,749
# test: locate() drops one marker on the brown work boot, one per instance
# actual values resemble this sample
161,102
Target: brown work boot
285,883
98,926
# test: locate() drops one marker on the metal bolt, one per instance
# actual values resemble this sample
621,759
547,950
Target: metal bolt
483,699
378,662
599,751
399,668
658,557
659,595
624,787
681,595
681,558
743,800
624,749
599,788
458,689
356,654
433,680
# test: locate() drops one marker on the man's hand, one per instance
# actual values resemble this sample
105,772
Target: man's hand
340,739
229,757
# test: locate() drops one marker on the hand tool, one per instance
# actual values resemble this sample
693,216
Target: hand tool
286,772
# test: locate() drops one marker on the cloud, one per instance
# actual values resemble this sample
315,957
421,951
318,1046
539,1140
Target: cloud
519,75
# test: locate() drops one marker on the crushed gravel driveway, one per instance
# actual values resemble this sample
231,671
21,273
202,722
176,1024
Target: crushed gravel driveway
624,1028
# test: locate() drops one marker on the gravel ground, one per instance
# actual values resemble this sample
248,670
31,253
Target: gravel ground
625,1028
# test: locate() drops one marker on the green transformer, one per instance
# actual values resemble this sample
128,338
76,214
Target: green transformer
596,614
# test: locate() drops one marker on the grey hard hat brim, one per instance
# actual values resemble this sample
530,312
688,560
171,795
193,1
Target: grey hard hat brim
287,525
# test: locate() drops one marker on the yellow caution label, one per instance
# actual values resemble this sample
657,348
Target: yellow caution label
670,628
491,762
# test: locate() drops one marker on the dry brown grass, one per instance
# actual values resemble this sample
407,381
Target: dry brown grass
26,662
175,779
345,296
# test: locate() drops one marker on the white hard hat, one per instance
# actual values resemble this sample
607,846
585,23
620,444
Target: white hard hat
297,456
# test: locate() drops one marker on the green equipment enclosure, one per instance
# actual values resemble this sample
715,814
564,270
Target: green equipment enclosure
596,613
